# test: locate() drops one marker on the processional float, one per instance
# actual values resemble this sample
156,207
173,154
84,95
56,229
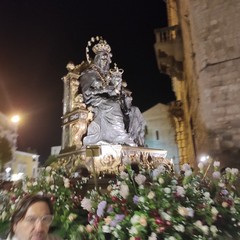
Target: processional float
101,130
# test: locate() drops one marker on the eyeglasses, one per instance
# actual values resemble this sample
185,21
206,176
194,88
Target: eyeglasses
46,220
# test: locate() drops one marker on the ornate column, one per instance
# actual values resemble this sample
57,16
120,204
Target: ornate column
75,113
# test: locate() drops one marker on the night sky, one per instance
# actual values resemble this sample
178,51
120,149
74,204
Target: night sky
39,38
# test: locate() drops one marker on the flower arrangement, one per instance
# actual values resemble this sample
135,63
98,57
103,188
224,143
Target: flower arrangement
159,204
61,190
139,204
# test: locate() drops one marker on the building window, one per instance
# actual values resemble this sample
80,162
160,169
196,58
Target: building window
21,168
146,130
157,135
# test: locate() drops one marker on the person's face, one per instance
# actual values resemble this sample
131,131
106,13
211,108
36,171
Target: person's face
104,61
128,101
34,225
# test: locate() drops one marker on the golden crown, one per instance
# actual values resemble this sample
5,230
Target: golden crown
100,46
116,71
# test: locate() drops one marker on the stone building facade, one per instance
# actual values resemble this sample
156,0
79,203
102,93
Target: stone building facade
200,50
160,132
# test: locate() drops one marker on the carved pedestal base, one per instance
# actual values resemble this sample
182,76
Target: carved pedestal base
111,159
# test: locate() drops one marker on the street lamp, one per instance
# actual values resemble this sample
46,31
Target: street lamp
15,119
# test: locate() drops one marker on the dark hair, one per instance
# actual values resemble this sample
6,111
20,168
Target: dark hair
24,204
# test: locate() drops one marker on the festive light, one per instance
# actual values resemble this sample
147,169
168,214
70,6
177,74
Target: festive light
204,158
15,119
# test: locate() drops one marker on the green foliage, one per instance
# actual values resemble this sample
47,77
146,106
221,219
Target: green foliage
159,204
147,204
4,227
51,159
64,195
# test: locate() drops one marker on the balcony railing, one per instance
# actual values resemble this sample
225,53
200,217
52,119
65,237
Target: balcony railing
167,34
169,50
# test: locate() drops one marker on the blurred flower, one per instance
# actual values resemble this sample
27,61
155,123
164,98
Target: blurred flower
123,175
124,190
72,217
140,179
149,204
216,175
53,184
66,183
101,206
86,204
216,164
157,204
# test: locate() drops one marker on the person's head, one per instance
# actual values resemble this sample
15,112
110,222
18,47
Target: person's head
128,99
32,218
103,55
116,77
102,60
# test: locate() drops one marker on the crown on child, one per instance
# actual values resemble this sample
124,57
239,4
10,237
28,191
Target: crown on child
116,71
